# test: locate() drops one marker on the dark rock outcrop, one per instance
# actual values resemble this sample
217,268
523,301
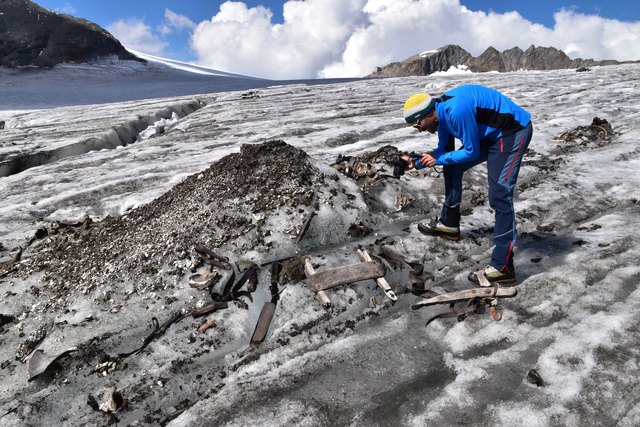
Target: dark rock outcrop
449,54
490,60
514,59
425,63
549,58
33,36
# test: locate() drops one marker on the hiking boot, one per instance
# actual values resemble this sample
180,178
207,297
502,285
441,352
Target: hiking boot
437,228
493,276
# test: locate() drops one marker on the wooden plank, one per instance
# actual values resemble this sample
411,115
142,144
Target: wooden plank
381,281
264,320
322,297
467,294
343,275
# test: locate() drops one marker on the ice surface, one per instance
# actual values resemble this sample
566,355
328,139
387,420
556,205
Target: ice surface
364,362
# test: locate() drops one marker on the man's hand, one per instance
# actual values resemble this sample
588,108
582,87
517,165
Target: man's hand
411,164
428,160
408,162
403,164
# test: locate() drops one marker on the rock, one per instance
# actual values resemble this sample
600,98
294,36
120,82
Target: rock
114,403
358,229
545,58
490,60
534,378
513,58
5,319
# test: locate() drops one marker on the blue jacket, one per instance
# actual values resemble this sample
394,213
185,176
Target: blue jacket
472,113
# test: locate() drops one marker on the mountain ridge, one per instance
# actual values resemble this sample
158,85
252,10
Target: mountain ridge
514,59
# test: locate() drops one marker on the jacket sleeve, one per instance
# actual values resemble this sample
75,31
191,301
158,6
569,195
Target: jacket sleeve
443,139
463,123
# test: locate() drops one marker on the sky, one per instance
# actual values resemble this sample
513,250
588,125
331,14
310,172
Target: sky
349,38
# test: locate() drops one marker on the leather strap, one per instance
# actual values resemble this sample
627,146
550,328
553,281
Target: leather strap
460,313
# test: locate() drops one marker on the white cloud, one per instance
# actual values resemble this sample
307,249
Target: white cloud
66,8
347,38
403,28
137,35
245,40
590,36
174,21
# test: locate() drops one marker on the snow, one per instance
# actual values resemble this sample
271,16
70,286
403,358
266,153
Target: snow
428,52
184,66
364,362
453,70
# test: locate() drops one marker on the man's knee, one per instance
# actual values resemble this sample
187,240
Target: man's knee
452,171
500,199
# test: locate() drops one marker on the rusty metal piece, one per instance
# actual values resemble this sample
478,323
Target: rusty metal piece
208,324
495,314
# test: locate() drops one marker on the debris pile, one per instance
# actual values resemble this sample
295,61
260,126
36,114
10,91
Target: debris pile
597,134
186,248
378,176
223,207
368,164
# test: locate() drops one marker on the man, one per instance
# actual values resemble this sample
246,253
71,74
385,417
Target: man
492,128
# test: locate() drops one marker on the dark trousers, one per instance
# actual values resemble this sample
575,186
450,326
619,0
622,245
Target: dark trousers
503,159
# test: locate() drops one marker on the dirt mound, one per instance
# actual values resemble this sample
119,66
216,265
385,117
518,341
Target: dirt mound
150,246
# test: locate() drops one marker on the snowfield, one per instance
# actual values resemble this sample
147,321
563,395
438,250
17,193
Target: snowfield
108,200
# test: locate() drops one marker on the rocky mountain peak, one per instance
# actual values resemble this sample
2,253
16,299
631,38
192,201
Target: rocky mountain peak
31,35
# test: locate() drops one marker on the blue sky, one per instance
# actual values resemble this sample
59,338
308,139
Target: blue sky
541,11
152,13
330,38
